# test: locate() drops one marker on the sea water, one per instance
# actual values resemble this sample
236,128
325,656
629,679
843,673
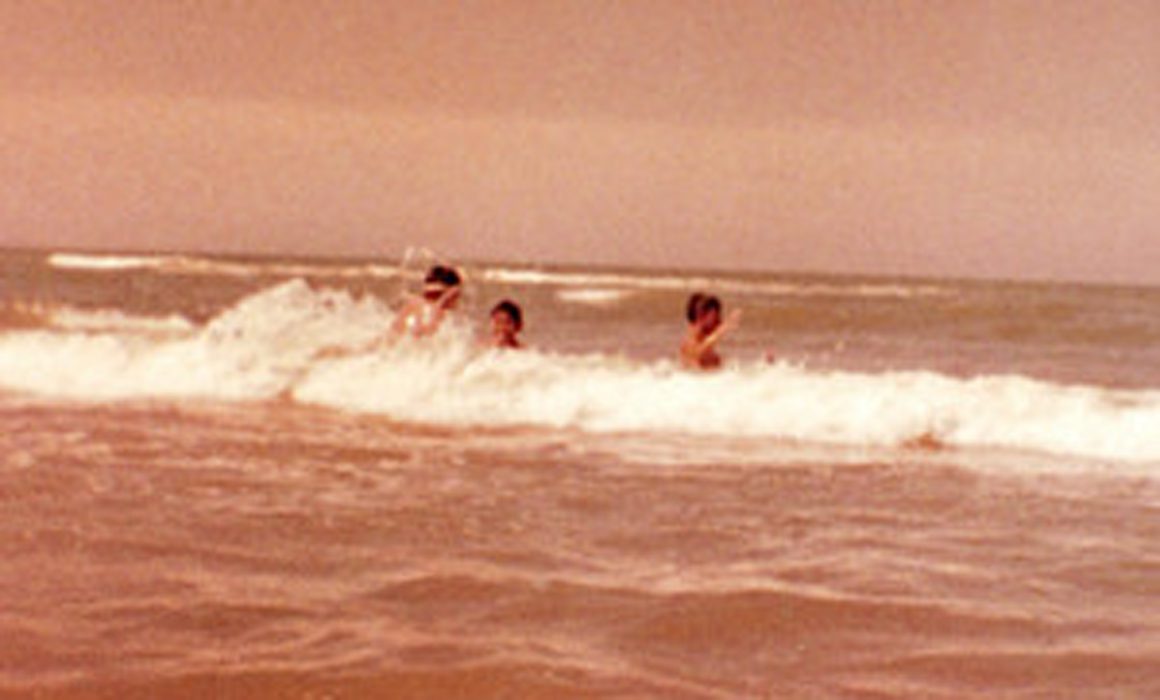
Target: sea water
221,476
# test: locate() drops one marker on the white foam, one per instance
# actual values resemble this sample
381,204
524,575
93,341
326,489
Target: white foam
80,261
599,296
321,347
255,350
602,394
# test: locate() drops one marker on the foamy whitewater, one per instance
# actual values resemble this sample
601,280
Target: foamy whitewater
323,345
1002,381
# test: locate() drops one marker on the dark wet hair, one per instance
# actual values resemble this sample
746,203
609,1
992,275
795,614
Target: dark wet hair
512,309
692,306
700,304
441,274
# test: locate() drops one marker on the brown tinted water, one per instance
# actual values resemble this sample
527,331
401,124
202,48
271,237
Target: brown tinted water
274,551
217,481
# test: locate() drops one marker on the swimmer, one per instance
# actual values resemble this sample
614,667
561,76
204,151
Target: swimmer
423,315
703,312
506,322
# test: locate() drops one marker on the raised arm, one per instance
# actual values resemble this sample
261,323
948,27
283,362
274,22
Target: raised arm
707,343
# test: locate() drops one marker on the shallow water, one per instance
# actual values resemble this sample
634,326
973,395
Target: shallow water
202,506
267,551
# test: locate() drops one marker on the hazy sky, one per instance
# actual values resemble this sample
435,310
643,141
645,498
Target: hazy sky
996,139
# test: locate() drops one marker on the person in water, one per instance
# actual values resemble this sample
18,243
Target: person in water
423,315
703,313
507,320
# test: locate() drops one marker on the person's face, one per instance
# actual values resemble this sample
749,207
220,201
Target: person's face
503,325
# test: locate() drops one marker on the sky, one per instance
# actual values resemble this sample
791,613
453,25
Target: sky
978,138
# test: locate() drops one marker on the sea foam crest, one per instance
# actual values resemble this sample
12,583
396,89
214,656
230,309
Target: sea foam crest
596,393
255,350
325,347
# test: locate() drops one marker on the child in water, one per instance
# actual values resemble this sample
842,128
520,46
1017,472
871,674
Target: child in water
423,315
703,312
506,322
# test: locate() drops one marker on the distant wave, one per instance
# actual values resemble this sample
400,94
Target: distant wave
608,281
108,320
593,297
38,315
322,347
198,265
597,284
79,261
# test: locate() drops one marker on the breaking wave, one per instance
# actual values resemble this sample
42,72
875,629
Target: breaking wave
327,348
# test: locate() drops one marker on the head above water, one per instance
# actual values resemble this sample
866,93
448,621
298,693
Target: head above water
512,310
703,310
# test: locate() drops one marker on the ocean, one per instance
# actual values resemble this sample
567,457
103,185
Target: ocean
217,480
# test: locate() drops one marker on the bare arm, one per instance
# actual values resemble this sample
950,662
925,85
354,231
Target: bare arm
403,317
707,343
